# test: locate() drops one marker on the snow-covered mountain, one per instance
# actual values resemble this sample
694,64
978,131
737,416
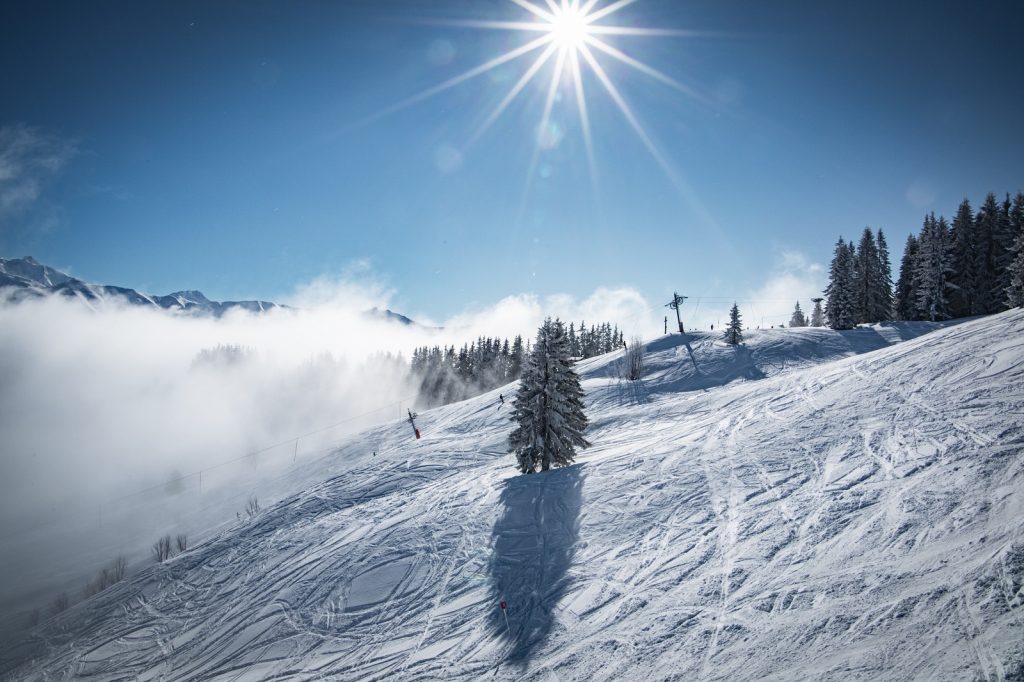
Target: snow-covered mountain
810,505
29,278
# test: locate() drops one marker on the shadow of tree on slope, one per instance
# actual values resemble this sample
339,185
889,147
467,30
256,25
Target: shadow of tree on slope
534,543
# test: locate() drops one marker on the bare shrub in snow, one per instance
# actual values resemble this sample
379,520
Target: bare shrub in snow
107,576
162,549
182,542
252,508
635,359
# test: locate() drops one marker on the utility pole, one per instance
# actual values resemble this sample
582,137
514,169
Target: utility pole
677,301
666,324
413,423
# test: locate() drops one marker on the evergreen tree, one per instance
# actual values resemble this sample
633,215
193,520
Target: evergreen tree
817,316
885,293
734,332
1004,240
798,319
906,294
963,279
840,305
517,358
987,225
1015,290
867,281
548,408
932,270
1015,270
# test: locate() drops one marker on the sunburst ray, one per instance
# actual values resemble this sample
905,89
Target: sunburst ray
641,67
516,89
572,29
472,73
608,10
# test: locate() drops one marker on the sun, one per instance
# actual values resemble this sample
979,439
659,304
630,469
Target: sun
568,27
573,35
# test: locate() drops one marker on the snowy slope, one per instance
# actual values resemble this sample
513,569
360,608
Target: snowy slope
746,513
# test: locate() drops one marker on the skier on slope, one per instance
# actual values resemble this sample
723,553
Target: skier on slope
501,398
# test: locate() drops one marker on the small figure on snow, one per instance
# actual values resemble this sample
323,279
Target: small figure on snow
501,398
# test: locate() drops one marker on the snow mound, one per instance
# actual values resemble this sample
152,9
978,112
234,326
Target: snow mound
848,515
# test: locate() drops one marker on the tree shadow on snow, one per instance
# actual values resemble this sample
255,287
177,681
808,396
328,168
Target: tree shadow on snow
630,392
534,543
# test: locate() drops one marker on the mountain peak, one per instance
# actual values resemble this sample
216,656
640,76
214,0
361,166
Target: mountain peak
192,295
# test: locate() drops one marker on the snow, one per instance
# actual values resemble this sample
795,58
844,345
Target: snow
810,505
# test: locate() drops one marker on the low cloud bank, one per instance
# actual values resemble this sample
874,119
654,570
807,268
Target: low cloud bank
98,401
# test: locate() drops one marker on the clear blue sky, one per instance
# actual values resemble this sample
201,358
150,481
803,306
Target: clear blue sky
226,146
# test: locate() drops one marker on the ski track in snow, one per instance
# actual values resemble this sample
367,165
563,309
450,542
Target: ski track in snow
777,511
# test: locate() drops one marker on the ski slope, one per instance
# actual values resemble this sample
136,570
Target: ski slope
773,511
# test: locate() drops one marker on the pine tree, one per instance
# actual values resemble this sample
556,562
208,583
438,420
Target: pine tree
517,358
840,306
906,295
798,319
1015,290
734,332
574,342
548,408
963,280
817,316
885,294
987,226
932,270
1004,240
1015,271
867,281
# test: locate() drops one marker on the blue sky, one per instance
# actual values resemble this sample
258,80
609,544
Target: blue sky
234,147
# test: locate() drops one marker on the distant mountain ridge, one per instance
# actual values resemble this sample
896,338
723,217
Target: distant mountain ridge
31,279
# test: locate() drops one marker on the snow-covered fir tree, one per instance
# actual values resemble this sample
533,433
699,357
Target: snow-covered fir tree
734,332
987,228
817,315
1015,259
963,279
548,407
574,342
840,303
932,270
1004,239
798,319
1015,271
885,293
906,294
866,280
1015,291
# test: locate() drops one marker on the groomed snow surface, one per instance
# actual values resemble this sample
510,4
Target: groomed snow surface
773,511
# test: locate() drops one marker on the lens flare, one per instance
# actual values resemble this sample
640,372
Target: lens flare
570,31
